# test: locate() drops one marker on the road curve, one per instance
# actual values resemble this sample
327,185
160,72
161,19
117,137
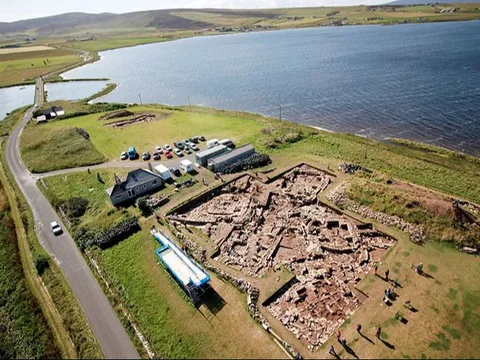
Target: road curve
110,333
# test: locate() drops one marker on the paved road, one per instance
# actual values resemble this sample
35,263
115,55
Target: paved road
126,164
103,320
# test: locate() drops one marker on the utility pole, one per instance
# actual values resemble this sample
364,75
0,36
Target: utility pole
140,97
280,107
189,105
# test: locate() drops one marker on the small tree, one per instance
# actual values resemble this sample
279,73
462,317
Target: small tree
143,206
41,264
76,206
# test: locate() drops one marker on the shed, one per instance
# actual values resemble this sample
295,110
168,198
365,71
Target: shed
219,163
41,119
58,110
202,157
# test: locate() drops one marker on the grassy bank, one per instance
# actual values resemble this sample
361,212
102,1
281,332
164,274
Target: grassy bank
57,150
67,322
23,328
417,206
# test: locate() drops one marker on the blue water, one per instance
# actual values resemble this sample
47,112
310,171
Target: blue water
14,97
74,90
18,96
420,82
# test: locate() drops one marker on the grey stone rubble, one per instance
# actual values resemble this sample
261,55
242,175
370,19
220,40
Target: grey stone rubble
339,197
348,168
258,226
244,286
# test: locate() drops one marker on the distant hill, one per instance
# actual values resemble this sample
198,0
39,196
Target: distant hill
83,24
160,19
420,2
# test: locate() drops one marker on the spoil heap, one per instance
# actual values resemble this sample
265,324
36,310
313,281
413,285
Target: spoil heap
257,226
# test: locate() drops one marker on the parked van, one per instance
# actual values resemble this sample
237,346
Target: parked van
212,143
132,153
228,143
163,171
187,166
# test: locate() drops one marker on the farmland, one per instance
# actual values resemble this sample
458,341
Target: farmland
110,31
17,67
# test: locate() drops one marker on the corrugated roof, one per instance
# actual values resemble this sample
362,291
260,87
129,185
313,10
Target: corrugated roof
234,153
211,151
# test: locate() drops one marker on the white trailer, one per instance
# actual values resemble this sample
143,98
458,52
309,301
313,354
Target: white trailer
187,165
163,171
212,143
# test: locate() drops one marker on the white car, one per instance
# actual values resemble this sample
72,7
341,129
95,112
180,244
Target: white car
167,147
56,229
124,156
158,149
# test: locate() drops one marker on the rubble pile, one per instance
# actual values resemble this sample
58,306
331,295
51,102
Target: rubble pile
257,226
348,168
253,161
340,198
244,286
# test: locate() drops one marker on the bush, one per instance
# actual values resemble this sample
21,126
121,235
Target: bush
76,207
87,238
117,233
42,264
143,206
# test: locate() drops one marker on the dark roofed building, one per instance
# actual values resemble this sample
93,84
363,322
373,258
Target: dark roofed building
138,182
219,163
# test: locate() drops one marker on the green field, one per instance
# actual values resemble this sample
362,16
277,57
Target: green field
21,67
449,172
23,328
55,149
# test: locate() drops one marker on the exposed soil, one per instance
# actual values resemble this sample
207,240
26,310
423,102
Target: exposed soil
257,226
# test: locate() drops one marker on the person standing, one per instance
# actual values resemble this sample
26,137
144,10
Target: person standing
339,336
387,272
332,351
379,332
359,328
375,268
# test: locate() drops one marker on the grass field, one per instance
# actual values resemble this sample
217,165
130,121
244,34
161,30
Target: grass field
449,172
18,67
447,301
57,149
24,49
414,205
